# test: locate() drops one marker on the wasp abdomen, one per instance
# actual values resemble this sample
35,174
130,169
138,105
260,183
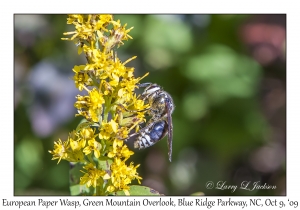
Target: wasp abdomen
152,135
159,131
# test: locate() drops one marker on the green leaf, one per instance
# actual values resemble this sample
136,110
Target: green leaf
198,194
139,190
105,163
82,190
84,123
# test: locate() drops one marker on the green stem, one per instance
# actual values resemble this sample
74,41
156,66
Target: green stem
90,158
98,190
107,108
103,146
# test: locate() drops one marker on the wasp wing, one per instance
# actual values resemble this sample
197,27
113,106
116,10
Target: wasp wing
170,130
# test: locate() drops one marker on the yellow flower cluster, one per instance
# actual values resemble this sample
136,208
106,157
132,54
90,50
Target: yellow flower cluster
110,108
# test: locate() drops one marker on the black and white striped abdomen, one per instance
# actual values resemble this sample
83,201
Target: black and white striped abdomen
152,134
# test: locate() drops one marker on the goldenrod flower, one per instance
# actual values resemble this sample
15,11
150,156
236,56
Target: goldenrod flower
60,150
109,106
119,150
93,145
108,130
87,133
122,175
92,176
77,145
123,133
96,99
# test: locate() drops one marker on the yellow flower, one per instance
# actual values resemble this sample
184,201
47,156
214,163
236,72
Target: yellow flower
87,133
104,20
132,173
96,99
93,114
111,188
122,133
93,145
92,176
120,33
74,18
120,150
122,175
60,150
77,145
81,79
82,102
78,69
108,130
115,80
109,84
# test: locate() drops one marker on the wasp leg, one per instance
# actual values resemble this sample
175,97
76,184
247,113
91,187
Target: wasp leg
133,111
149,124
132,135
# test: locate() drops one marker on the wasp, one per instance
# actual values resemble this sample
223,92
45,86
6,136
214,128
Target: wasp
161,107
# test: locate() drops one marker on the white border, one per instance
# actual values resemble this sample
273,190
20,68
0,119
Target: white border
206,7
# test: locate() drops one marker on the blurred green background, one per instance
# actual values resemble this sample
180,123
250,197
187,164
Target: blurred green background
226,74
